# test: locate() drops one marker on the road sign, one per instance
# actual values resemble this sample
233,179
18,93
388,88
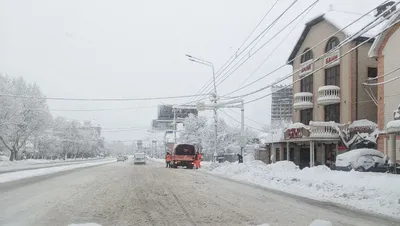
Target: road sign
162,124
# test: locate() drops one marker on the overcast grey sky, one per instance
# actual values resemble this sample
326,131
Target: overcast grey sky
125,48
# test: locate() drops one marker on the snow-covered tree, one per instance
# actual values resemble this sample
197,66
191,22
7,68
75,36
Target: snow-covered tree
21,118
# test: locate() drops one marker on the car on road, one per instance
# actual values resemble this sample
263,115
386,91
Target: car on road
183,155
362,160
140,158
121,158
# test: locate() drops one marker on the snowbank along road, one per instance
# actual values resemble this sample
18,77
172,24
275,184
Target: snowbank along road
125,194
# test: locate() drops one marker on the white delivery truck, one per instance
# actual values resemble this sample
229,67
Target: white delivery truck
140,158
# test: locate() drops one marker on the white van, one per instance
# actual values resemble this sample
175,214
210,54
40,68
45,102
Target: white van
140,158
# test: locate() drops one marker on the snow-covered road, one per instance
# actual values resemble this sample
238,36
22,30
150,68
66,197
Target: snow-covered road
125,194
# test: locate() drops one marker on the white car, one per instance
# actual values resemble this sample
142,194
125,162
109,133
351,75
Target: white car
140,158
363,159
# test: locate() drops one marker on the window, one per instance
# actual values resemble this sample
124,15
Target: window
307,55
372,72
333,42
332,113
306,116
306,84
332,76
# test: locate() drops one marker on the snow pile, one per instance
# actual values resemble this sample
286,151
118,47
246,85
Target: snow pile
319,222
393,126
6,177
4,161
85,224
374,192
363,123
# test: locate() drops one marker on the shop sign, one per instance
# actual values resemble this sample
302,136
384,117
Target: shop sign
332,59
306,68
295,133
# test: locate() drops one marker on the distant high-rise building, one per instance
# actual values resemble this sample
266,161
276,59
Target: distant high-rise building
281,107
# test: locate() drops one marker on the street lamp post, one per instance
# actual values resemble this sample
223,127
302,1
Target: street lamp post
214,97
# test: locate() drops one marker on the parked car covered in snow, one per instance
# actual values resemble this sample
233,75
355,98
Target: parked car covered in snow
363,159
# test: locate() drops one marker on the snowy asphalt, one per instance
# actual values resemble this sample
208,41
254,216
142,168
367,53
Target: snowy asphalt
121,193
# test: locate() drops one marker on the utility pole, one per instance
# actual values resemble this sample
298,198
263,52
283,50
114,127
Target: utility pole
214,98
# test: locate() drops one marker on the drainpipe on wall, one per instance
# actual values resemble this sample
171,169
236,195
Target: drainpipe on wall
357,42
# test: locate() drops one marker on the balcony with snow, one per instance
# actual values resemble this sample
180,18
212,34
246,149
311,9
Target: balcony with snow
328,95
329,130
303,101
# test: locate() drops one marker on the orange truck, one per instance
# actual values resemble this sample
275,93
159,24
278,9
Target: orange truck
183,155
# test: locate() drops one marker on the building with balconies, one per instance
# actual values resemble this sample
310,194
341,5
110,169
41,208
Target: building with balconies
386,50
328,89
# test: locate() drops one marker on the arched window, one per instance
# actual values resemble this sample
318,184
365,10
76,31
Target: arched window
307,55
332,43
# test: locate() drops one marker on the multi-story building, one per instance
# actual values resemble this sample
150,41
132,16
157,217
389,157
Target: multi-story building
281,106
386,50
328,85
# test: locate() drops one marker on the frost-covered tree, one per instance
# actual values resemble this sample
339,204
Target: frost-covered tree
21,118
193,129
201,131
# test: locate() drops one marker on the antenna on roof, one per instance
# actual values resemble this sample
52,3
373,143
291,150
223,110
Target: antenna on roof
330,7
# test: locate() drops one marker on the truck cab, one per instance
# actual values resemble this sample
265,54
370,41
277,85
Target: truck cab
183,155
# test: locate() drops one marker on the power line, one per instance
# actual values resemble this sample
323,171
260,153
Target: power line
259,98
240,122
384,82
344,42
99,99
296,57
273,51
234,57
252,120
223,77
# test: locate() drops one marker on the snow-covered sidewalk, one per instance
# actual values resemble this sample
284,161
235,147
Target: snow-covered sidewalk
6,177
8,166
372,192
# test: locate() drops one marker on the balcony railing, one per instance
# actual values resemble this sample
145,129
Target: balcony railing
328,95
325,129
303,101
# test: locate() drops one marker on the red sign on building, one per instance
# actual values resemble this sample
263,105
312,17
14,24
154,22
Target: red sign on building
306,68
332,60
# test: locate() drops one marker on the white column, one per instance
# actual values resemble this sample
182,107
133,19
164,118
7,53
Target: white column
311,153
392,148
273,153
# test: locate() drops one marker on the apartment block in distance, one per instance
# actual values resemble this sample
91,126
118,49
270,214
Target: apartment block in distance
281,107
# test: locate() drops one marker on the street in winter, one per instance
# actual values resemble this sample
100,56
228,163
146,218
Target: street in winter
121,193
253,113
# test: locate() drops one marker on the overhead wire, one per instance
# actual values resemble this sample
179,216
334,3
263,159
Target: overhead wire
98,99
298,56
221,78
234,56
341,56
384,82
260,130
273,51
344,42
